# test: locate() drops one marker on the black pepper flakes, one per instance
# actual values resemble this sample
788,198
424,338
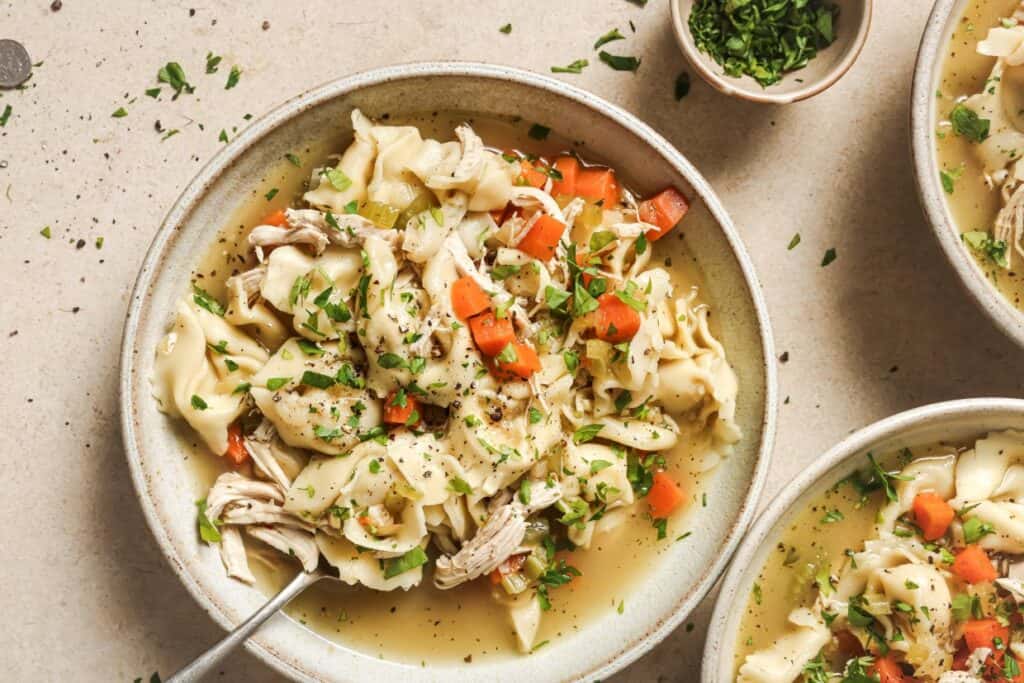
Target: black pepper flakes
56,5
784,357
266,25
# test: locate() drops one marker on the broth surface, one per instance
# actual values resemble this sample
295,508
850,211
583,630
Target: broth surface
463,624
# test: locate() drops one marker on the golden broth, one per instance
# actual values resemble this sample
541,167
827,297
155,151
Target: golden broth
973,205
786,579
464,624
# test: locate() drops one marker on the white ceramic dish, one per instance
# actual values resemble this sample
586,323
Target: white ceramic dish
924,116
953,420
163,481
820,73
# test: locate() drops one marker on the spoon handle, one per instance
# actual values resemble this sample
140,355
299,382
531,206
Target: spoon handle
207,661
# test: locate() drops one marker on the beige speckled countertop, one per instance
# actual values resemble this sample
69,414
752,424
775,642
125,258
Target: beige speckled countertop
87,596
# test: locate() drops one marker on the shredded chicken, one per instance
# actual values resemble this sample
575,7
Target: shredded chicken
231,488
258,512
496,540
232,553
1009,224
310,227
259,445
299,544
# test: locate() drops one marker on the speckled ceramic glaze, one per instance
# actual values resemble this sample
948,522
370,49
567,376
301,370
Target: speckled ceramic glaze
162,480
819,75
953,420
924,118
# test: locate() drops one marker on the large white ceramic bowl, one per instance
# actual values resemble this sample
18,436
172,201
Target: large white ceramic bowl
953,420
924,115
162,480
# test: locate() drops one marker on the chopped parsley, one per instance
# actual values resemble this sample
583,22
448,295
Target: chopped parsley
967,123
586,433
173,75
984,244
460,485
207,529
619,62
399,565
233,77
609,37
275,383
762,39
506,29
829,257
682,85
119,113
574,68
203,299
212,62
198,403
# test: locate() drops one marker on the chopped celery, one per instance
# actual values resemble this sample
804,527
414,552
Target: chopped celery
536,529
399,565
533,568
380,214
514,583
591,217
424,201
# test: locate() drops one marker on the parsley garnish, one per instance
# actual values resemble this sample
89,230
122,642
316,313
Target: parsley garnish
173,75
207,530
575,68
967,123
233,78
586,433
204,300
609,37
619,62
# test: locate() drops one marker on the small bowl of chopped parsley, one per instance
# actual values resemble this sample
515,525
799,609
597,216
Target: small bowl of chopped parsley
775,51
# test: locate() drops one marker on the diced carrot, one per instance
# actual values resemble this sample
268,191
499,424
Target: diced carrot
491,333
616,322
396,414
569,167
598,184
932,514
236,452
468,298
983,633
495,577
664,210
525,364
531,175
664,496
364,521
973,566
277,218
888,670
542,239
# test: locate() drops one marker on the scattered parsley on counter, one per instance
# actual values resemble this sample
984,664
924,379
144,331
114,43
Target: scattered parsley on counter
620,62
45,232
829,257
173,75
212,62
223,137
762,39
154,92
5,116
120,113
574,68
793,242
99,242
682,85
609,37
233,78
539,132
506,29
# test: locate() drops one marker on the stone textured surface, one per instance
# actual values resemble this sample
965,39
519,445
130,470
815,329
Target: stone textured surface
87,596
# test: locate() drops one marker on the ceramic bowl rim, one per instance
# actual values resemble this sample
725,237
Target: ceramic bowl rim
926,171
854,445
195,193
739,87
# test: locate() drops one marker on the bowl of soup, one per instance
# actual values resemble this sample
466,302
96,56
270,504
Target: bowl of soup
966,132
482,346
895,557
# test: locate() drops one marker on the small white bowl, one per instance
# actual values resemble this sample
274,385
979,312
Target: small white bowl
952,420
685,572
820,73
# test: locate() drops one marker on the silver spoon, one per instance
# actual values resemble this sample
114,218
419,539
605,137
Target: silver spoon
208,661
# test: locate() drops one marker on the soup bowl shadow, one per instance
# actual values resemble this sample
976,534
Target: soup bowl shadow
924,116
949,421
166,486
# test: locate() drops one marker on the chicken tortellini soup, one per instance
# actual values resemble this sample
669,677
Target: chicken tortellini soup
480,385
909,571
980,138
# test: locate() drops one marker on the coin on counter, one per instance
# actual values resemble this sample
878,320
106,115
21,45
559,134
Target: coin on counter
15,64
